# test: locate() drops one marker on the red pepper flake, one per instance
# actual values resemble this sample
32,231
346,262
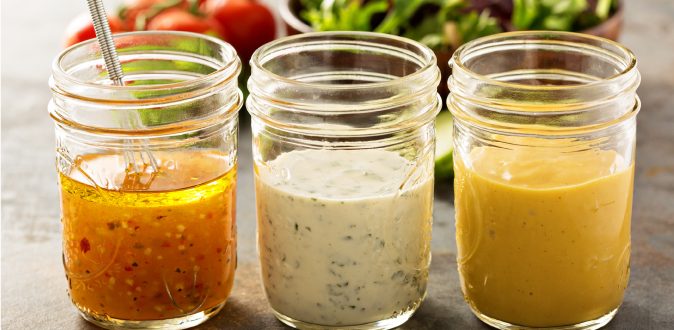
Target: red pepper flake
128,268
201,257
209,215
218,250
136,227
84,245
166,244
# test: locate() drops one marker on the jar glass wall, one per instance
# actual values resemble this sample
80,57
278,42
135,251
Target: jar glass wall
343,142
544,164
147,175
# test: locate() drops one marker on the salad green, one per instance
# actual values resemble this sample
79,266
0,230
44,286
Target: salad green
446,24
444,146
440,24
562,15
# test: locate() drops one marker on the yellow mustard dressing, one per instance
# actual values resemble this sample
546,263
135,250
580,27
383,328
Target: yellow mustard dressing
543,239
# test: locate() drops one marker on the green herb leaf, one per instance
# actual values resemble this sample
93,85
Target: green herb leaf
343,15
524,13
472,26
401,12
547,14
439,24
604,8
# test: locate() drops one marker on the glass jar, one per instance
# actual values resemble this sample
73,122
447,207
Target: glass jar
147,175
343,144
544,161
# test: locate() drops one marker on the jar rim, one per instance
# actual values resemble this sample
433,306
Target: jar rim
429,60
595,82
59,72
322,83
456,59
202,85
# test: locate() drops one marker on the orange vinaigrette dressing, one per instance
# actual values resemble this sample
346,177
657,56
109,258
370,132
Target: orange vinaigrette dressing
164,252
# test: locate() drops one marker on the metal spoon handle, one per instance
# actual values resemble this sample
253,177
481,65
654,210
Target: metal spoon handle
104,36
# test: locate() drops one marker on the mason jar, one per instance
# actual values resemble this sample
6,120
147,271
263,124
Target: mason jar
343,145
147,175
544,160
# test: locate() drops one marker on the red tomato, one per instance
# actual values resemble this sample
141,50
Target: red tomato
178,19
81,28
136,13
249,24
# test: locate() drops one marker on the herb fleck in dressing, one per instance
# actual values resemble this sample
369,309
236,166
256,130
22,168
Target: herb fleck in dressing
340,243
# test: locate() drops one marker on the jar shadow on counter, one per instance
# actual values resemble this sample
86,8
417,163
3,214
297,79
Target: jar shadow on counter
443,307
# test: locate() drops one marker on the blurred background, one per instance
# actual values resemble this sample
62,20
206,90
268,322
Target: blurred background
33,33
33,37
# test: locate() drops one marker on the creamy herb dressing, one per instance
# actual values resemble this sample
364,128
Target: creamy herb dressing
340,243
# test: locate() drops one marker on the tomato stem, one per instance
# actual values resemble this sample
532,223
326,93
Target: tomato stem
142,19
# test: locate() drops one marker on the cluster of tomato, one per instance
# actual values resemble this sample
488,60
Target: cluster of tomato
245,24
